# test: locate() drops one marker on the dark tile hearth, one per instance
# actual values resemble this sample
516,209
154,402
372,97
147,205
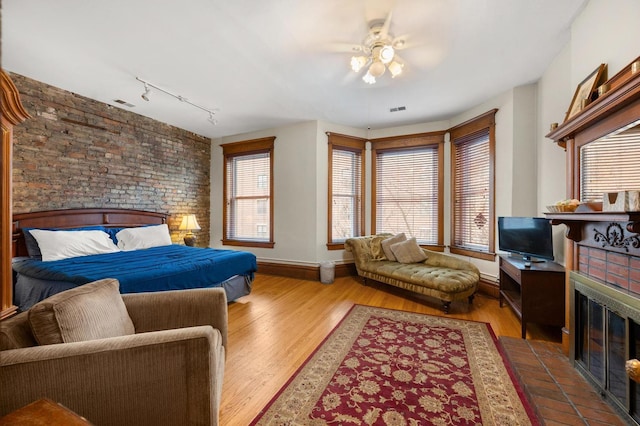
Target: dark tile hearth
556,391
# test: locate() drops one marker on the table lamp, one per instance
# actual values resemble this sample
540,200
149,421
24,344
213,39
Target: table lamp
189,224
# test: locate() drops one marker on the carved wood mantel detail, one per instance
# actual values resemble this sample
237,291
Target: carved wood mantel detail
13,113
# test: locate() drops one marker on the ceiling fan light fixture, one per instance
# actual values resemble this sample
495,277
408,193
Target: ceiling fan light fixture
358,62
386,54
368,78
377,68
395,68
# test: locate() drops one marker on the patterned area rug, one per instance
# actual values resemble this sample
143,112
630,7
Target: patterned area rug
386,367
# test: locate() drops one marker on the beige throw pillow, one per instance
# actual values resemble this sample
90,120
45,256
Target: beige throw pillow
408,251
386,245
90,311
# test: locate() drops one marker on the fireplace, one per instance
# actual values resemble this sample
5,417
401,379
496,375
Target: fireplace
602,254
606,330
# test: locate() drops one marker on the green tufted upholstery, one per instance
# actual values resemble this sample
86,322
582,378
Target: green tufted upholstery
442,276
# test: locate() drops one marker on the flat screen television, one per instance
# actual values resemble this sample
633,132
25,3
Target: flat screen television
530,237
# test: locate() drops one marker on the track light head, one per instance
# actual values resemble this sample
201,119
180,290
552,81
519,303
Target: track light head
211,119
147,92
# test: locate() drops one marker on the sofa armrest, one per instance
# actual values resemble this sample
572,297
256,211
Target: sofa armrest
164,377
435,258
165,310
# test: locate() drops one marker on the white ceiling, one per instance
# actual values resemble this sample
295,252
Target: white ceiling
268,63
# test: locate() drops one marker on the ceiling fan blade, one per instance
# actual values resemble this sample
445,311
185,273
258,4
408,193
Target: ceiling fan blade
338,47
384,31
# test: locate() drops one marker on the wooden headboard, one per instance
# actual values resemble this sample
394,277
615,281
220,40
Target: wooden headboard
74,218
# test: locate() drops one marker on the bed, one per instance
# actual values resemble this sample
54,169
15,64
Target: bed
157,268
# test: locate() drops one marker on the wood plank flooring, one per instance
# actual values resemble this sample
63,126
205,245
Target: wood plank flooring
273,331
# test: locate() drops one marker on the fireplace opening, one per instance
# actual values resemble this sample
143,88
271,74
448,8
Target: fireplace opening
606,335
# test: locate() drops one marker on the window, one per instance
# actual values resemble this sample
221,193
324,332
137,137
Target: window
346,189
248,190
407,187
472,181
610,164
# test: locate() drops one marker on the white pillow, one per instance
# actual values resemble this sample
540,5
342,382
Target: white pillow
56,245
143,237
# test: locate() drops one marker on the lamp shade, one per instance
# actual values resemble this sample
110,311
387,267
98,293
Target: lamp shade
189,223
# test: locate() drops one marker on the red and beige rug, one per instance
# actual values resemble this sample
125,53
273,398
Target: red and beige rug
387,367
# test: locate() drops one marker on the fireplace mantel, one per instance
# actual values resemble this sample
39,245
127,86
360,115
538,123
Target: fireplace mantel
575,222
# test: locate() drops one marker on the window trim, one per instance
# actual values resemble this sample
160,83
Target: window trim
344,143
238,149
407,142
461,133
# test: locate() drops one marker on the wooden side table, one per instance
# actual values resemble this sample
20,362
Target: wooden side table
43,412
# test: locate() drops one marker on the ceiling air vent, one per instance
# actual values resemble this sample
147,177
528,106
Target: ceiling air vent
396,109
125,103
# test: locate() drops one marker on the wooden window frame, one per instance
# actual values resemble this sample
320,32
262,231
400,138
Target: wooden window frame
238,149
396,143
483,123
357,145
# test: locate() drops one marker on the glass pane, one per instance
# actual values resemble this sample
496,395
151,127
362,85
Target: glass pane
616,355
609,164
472,173
582,325
635,353
345,206
596,341
407,193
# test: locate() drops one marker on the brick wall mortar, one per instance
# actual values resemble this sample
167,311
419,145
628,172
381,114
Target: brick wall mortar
113,158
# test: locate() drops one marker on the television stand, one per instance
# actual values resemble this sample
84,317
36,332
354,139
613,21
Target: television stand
535,293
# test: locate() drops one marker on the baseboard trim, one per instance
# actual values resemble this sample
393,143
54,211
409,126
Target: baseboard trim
312,273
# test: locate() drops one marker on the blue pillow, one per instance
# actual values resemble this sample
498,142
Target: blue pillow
32,244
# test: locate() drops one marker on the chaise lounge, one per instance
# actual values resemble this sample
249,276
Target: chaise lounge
439,275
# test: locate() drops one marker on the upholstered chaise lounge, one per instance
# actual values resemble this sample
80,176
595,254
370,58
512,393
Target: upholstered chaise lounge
131,359
441,276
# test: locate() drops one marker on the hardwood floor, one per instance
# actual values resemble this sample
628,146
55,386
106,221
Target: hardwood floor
273,331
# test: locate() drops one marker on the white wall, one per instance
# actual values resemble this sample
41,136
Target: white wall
530,169
604,32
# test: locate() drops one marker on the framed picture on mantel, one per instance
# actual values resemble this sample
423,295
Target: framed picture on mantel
582,96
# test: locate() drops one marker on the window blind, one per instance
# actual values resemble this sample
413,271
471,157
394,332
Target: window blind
407,192
346,205
610,164
471,192
248,190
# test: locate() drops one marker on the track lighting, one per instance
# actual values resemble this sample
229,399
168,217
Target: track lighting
147,92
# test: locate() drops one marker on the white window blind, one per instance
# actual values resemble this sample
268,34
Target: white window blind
407,192
471,192
346,205
610,164
249,192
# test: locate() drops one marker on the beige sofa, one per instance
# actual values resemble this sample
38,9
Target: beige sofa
168,372
442,276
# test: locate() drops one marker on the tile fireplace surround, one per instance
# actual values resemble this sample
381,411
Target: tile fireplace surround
604,304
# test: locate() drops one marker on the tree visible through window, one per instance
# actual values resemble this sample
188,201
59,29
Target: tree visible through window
247,193
472,170
408,182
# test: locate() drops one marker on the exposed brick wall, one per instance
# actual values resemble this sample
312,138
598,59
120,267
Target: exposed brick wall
76,152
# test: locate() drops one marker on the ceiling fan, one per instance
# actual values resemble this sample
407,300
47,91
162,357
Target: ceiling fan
378,52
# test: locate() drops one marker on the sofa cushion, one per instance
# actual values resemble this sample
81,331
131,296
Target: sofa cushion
388,242
408,251
90,311
377,253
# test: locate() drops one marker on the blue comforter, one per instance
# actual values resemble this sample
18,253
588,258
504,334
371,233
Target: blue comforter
173,267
